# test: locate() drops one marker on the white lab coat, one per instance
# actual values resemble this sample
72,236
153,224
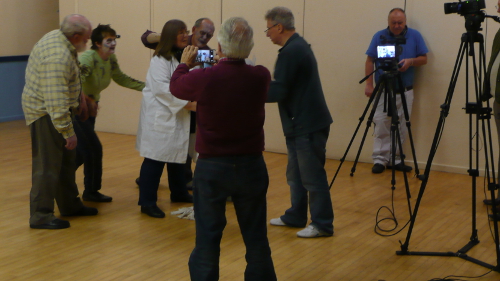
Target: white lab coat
163,132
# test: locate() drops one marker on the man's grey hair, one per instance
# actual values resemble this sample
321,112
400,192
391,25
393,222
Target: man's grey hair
396,9
74,24
235,38
281,15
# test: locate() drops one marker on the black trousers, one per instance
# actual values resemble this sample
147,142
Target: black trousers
151,171
89,153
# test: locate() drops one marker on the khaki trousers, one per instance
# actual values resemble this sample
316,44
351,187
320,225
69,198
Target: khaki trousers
53,173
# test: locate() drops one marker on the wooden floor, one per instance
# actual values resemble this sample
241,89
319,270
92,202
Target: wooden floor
122,244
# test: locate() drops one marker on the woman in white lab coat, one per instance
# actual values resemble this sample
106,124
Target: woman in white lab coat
163,134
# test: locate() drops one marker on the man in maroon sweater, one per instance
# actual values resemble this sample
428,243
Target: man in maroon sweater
230,140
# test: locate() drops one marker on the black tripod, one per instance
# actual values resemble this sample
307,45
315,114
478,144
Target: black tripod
482,123
388,87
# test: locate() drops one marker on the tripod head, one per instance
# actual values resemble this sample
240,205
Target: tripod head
472,11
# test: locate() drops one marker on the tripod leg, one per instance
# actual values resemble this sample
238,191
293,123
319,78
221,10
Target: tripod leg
444,113
407,116
397,134
396,143
375,96
377,93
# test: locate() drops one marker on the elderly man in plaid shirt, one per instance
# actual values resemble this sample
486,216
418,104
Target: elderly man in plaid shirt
50,95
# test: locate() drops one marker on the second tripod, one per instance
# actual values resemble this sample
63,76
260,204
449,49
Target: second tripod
387,95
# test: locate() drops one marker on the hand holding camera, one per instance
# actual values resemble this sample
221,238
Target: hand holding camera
189,55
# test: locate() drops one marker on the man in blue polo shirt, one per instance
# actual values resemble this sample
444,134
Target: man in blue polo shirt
414,54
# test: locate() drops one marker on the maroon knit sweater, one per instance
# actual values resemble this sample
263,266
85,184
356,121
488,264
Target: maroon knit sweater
230,112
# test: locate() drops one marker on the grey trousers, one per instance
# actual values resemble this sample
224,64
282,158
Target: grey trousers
53,173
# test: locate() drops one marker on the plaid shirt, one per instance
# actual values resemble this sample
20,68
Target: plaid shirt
52,82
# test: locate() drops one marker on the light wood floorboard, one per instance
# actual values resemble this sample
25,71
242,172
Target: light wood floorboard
122,244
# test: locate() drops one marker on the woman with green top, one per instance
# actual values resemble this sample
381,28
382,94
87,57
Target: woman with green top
97,67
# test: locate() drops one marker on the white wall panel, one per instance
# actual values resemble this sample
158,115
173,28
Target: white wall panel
23,23
188,11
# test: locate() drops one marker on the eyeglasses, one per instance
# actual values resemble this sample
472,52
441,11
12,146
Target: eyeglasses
265,31
184,32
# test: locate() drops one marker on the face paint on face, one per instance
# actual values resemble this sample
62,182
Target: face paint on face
108,45
203,34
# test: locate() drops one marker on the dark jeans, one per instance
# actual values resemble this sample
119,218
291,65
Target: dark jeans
496,114
306,176
244,178
150,175
188,173
89,153
53,173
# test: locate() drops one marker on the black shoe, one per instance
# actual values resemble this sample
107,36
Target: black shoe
84,211
96,196
152,211
55,224
188,198
489,202
137,181
401,167
378,168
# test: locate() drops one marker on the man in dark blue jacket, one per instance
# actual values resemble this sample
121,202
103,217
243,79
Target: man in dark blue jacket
306,124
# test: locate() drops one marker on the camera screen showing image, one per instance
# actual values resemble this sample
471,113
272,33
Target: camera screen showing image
205,56
386,52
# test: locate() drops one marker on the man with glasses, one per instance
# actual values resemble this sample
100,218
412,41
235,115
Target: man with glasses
306,124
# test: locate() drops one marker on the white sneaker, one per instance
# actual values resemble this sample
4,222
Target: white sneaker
311,231
277,221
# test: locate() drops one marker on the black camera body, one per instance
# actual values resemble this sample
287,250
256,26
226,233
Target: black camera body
464,7
388,53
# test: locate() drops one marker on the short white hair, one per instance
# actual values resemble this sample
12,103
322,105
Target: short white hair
75,24
236,38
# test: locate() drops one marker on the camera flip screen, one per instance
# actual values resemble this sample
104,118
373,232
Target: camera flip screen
386,52
205,56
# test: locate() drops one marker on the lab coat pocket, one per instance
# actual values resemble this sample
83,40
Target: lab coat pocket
164,122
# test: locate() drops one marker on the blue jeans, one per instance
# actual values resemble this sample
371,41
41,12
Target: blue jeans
244,178
306,176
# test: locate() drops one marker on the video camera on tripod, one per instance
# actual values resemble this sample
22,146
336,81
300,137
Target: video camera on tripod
470,10
465,7
388,53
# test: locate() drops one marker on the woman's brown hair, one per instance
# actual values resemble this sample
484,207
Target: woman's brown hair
166,47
